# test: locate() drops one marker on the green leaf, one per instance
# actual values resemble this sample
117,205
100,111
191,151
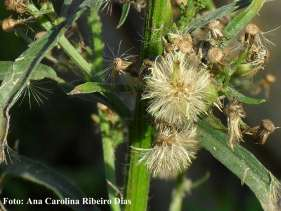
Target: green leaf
125,11
41,72
19,74
231,92
243,164
40,174
241,20
88,88
205,19
109,97
98,87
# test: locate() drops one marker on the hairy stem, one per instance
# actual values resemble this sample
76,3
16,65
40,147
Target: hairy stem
97,44
157,20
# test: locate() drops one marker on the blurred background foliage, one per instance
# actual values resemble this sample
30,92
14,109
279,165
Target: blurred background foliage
61,134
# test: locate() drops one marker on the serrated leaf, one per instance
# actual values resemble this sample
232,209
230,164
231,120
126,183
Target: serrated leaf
40,174
41,72
125,11
233,93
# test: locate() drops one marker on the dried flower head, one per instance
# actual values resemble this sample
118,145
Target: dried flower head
180,42
18,6
235,112
256,43
178,92
258,56
9,24
216,27
263,131
118,64
252,34
172,153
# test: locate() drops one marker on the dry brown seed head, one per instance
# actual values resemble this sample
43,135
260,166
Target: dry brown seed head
170,47
267,125
9,24
252,29
185,47
215,24
180,42
120,65
216,27
215,55
18,6
235,108
235,112
264,130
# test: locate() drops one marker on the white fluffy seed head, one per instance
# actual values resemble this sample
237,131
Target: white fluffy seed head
172,153
178,91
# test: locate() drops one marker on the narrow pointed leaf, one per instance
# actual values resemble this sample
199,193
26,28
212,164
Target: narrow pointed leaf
124,14
41,72
243,164
40,174
233,93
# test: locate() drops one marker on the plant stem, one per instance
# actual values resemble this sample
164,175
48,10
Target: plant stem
158,19
97,44
183,187
112,136
157,22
